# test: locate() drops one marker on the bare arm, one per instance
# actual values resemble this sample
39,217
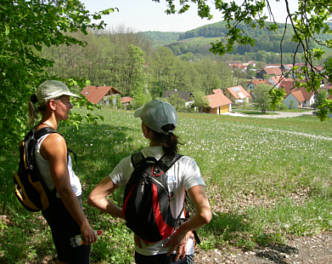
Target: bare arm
54,149
201,217
98,198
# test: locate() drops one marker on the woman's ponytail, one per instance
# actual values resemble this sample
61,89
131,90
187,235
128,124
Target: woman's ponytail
168,141
170,145
33,114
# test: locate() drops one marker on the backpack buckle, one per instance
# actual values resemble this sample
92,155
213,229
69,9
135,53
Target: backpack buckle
156,172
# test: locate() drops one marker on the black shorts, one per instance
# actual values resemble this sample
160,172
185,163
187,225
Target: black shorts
64,227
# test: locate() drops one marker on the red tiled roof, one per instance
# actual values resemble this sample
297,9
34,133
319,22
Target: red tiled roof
126,99
328,86
298,95
95,93
307,95
238,92
273,70
290,66
218,99
287,84
258,81
277,79
239,66
217,91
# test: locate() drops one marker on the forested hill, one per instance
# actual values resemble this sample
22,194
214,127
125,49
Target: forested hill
197,41
219,29
161,38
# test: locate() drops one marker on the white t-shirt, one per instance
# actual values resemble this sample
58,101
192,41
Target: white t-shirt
183,175
44,168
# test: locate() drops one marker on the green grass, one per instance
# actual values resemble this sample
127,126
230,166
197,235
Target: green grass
266,180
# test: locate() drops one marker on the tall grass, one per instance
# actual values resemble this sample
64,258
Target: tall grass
266,180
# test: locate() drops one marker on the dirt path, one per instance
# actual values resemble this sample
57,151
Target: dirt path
283,115
276,114
303,250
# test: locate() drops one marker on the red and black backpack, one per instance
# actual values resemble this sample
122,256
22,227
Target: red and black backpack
146,203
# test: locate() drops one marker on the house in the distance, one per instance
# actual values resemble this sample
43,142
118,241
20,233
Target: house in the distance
328,87
243,66
218,103
253,83
287,84
294,99
270,70
309,97
126,100
100,94
238,94
303,97
187,97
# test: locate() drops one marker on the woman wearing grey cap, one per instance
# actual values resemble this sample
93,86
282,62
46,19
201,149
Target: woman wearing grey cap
158,123
64,215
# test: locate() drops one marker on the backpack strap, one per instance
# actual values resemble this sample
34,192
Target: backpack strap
48,130
164,163
70,151
43,131
136,159
31,139
167,161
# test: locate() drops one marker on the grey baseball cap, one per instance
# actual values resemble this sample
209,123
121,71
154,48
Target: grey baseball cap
157,114
51,89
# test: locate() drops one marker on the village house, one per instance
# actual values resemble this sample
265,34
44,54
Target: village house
287,84
294,99
274,70
241,66
280,81
100,94
328,87
125,101
238,94
186,96
309,97
253,83
218,103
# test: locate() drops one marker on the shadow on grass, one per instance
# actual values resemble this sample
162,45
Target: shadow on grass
274,253
236,230
99,148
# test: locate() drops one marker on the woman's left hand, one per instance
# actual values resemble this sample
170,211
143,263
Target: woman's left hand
179,242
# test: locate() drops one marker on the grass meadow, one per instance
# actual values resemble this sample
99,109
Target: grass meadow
267,180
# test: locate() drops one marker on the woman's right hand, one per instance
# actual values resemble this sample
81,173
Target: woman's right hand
88,234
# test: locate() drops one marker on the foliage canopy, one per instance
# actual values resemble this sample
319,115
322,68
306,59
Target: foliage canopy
26,27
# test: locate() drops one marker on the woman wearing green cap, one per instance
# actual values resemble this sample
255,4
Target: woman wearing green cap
158,123
64,215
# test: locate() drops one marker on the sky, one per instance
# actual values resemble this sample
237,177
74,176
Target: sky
146,15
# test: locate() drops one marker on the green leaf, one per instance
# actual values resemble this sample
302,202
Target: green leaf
318,53
109,10
7,30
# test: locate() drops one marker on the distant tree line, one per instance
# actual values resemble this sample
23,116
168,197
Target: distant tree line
130,63
265,40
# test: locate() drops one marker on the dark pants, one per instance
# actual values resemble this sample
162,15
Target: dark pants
162,259
63,227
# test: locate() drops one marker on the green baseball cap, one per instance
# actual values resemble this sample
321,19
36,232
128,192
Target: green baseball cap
157,114
51,89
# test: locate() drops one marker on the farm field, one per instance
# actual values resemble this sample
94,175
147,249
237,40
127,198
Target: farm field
266,180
